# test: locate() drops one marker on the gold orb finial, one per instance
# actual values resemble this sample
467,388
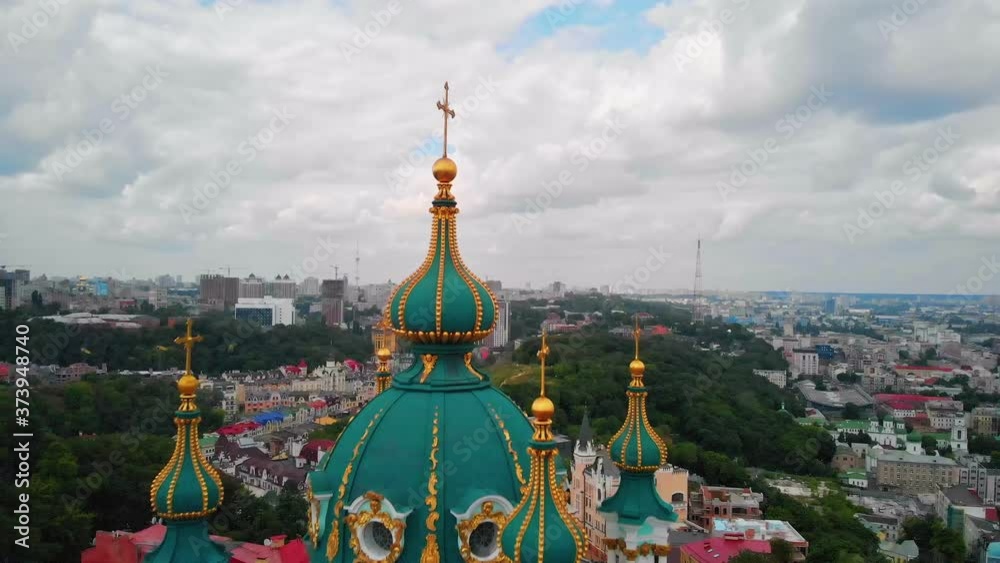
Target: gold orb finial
383,354
636,367
187,384
444,170
543,408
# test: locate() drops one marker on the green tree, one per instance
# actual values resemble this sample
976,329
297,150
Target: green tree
851,411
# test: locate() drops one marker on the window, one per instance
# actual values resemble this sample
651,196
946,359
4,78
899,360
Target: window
677,497
483,540
376,540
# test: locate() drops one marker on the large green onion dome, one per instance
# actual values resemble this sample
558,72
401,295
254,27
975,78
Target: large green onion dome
443,301
430,469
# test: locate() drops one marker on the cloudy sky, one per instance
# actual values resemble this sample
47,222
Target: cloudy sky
826,146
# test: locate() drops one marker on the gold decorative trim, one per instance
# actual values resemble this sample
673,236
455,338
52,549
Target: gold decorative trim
357,522
411,281
429,360
431,552
439,296
465,529
314,507
466,275
468,366
333,542
510,445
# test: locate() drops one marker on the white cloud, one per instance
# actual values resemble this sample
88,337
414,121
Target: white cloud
324,174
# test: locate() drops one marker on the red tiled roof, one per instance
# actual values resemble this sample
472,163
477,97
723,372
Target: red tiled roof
924,368
719,550
991,514
310,451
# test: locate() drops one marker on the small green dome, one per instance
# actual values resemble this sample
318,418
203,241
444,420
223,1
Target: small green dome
637,447
188,487
443,302
914,437
541,528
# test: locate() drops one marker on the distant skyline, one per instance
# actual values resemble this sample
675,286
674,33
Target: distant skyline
811,145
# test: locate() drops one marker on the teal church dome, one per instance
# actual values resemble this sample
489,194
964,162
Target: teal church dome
430,469
443,301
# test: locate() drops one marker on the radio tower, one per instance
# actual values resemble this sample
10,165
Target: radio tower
357,272
697,312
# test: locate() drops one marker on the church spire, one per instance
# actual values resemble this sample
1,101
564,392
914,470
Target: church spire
637,519
188,489
443,302
541,528
637,447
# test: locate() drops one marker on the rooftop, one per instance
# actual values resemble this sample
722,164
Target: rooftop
904,457
758,529
721,549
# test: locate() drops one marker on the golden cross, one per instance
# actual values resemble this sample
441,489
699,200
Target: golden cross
447,111
188,342
637,333
543,353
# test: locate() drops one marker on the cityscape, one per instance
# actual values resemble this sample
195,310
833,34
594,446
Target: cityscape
726,287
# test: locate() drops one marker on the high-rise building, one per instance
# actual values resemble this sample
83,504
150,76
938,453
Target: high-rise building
332,300
252,287
266,311
501,334
166,280
218,292
8,291
283,287
309,286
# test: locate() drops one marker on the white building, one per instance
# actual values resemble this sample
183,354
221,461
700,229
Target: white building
806,361
501,333
266,311
775,376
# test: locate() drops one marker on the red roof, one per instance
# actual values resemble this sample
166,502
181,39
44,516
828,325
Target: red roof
238,428
718,550
660,330
4,370
886,397
291,552
924,368
310,451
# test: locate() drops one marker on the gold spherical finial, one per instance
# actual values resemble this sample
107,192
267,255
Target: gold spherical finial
444,170
543,408
636,367
187,384
383,354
